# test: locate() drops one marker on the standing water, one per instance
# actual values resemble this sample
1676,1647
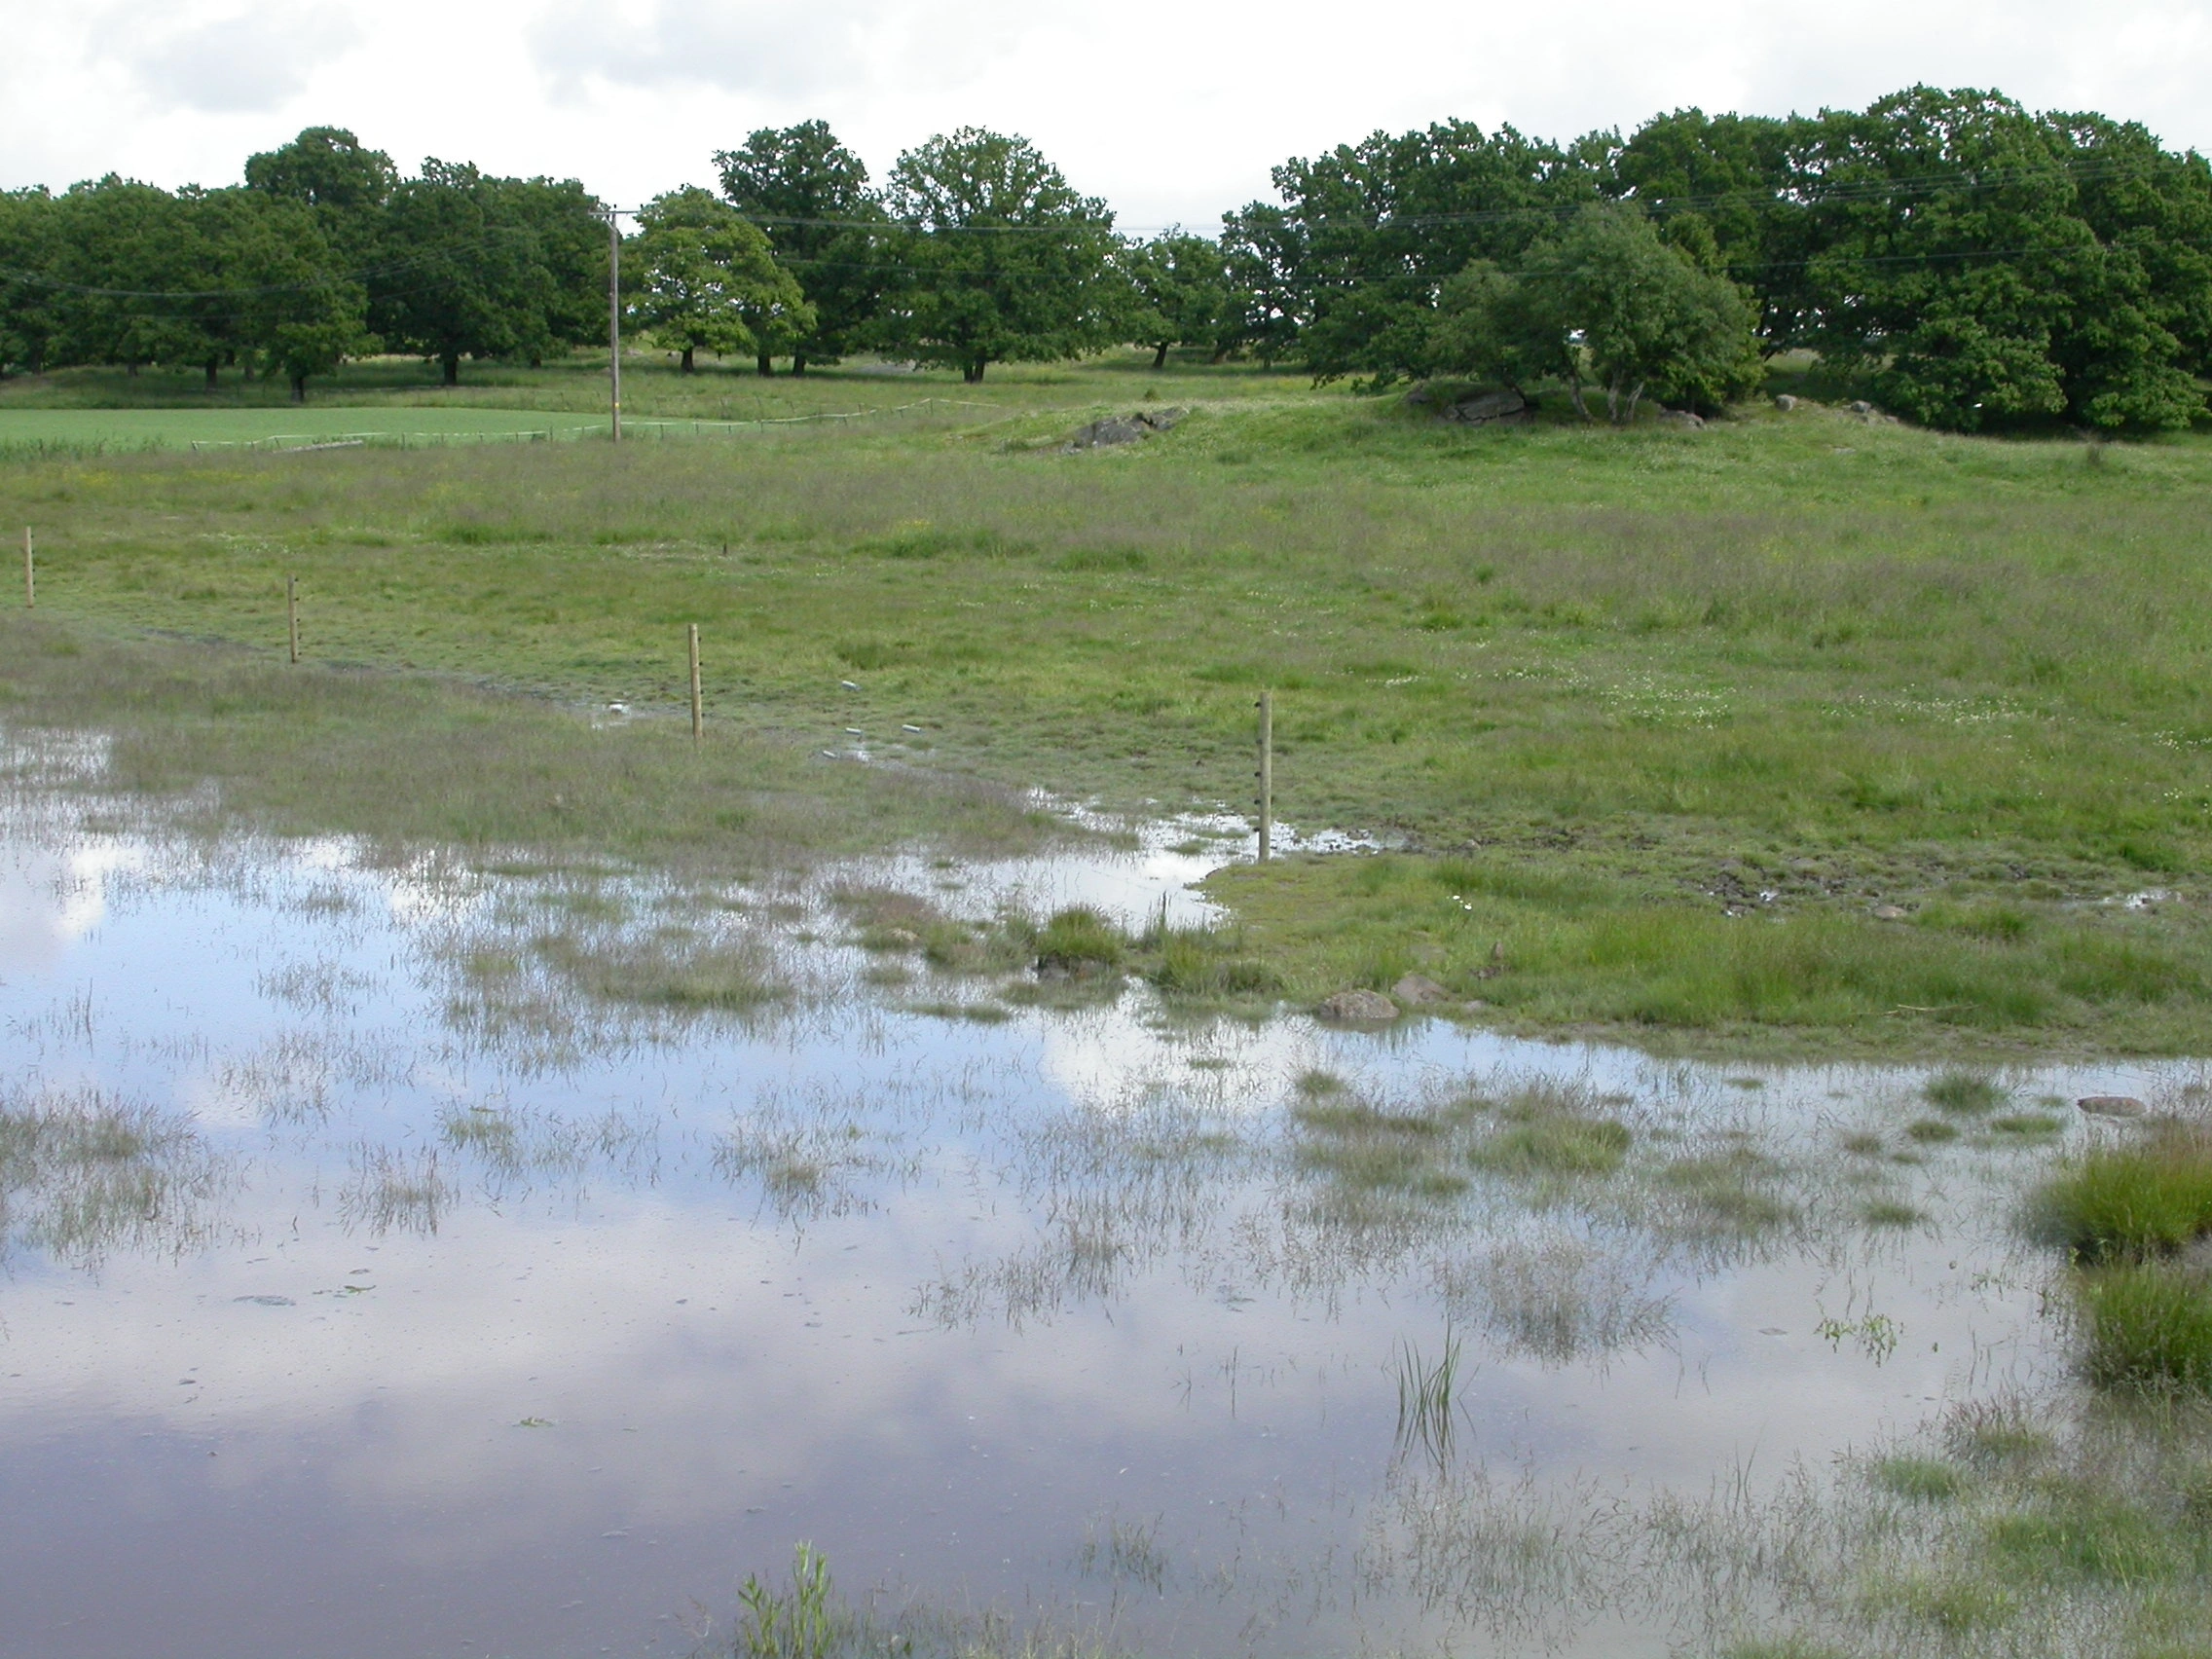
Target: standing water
376,1281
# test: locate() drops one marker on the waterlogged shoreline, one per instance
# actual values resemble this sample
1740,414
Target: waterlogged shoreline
479,1283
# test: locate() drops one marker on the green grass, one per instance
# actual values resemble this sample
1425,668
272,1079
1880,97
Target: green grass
1666,715
1965,1093
1561,1145
1924,1480
2145,1198
2147,1326
90,433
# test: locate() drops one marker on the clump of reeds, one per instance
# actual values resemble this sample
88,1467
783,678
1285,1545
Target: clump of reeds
2128,1217
2134,1202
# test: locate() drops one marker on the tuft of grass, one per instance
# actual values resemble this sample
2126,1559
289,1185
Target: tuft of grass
1208,965
1932,1131
1924,1480
683,976
1964,1094
2082,1533
1366,1149
2147,1327
2028,1125
1891,1213
1954,1604
2131,1203
1731,1190
1080,941
1558,1145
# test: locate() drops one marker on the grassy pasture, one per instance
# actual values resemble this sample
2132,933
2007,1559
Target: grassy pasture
1653,721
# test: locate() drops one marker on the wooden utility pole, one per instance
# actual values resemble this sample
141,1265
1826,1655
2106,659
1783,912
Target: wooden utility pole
698,709
292,616
1266,775
614,322
31,579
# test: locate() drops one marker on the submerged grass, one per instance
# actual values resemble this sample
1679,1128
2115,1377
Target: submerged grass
1669,715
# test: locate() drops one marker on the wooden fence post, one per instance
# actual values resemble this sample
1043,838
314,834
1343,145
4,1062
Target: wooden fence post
292,616
1266,775
30,580
698,709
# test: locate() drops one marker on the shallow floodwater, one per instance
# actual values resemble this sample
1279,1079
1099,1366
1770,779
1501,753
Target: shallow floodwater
429,1321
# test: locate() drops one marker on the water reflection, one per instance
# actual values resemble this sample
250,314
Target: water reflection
375,1228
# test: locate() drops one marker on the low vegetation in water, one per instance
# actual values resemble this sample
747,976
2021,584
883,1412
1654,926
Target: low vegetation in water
2133,1220
2141,1201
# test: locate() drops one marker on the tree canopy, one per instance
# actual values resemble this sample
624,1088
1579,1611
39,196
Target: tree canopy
709,281
1002,261
1609,298
1962,259
810,196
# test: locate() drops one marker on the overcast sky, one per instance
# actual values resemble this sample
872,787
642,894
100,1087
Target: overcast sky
1171,112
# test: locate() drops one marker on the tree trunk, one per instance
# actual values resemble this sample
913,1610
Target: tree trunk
1574,390
973,373
1220,355
1633,398
451,363
799,362
1159,355
686,359
131,369
765,364
212,365
299,389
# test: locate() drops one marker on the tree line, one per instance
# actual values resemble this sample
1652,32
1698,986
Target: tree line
1971,263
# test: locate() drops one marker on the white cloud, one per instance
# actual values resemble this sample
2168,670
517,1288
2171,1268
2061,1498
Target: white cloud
1167,120
252,59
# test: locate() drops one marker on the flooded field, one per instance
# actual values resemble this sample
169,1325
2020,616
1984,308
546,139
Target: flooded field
405,1260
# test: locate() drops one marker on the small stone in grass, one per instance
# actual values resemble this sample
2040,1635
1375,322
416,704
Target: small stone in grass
1888,913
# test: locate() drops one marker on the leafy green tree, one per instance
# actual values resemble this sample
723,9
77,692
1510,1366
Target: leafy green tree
1181,288
710,280
1003,261
1491,327
1607,298
1727,190
347,183
480,266
1383,223
811,195
120,247
1264,252
29,314
1958,263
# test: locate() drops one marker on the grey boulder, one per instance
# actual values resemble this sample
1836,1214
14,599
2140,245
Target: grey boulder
1359,1008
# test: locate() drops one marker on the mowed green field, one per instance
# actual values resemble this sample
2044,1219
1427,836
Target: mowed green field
1657,720
121,431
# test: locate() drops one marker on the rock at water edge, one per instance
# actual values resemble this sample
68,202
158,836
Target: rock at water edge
1359,1008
